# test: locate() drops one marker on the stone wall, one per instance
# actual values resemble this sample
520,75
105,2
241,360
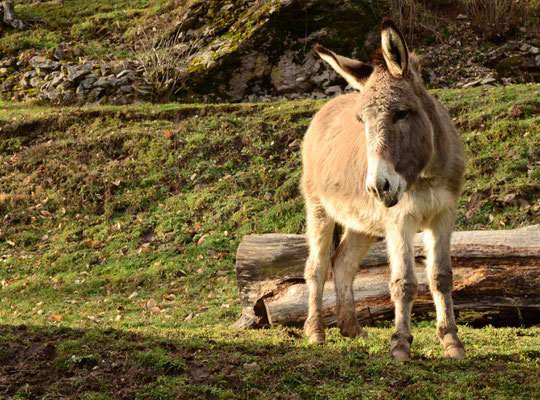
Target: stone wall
58,77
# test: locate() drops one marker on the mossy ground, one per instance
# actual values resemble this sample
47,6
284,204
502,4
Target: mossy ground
119,230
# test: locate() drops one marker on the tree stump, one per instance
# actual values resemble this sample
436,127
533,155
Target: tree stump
496,280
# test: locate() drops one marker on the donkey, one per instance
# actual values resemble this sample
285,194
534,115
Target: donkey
383,161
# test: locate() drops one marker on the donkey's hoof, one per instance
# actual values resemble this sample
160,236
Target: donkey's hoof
316,338
353,330
400,348
453,348
314,328
400,354
455,351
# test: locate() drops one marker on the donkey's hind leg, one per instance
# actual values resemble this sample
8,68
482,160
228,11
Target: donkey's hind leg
319,235
351,250
439,272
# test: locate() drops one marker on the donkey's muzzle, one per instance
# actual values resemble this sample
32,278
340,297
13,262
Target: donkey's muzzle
383,183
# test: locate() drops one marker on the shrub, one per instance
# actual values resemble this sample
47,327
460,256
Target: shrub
411,16
498,19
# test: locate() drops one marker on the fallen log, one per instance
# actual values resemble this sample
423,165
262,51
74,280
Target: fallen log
496,280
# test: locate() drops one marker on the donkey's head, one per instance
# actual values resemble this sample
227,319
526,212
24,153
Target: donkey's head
390,112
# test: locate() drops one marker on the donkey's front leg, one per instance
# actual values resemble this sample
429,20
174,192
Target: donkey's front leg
319,235
439,272
403,285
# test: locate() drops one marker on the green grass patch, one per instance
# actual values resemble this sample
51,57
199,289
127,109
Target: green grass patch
97,27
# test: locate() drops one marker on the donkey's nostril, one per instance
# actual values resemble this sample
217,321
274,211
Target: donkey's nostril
386,186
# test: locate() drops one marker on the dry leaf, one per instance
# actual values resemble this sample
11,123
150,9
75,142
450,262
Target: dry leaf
55,317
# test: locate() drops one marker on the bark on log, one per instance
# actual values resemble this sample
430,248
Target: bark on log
496,279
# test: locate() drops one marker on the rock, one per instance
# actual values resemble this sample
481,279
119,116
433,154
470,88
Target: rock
521,67
252,98
534,50
106,82
333,90
253,66
320,78
43,63
66,86
268,196
96,92
125,73
8,85
488,80
57,77
76,73
58,53
54,95
80,92
525,47
285,75
68,97
123,100
472,83
126,89
36,81
8,62
89,81
122,82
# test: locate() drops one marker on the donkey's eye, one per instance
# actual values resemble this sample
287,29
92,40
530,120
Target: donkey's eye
359,118
399,116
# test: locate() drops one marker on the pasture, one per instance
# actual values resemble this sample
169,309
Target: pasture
117,249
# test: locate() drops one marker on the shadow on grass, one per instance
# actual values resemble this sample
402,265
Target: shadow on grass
60,362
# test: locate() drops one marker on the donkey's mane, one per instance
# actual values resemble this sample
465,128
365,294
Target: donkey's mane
378,58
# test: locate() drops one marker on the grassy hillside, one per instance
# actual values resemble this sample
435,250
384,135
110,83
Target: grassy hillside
119,230
97,28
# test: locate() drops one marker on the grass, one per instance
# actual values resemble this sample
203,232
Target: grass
119,229
108,27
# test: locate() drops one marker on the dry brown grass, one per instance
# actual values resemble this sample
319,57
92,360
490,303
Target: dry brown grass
499,19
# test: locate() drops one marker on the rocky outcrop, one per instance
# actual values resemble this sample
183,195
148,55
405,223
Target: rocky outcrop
257,50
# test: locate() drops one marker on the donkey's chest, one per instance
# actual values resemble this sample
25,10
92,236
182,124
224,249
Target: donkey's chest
364,214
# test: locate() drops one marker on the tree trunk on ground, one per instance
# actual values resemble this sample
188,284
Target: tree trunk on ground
496,280
8,16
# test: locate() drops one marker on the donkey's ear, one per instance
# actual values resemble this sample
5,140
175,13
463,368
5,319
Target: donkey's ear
355,72
394,49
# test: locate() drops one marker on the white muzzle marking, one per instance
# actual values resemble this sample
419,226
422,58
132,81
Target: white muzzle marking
383,182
